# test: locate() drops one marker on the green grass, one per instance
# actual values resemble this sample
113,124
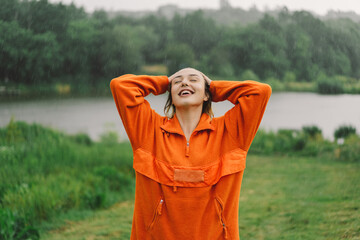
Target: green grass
45,173
111,224
69,187
300,198
281,198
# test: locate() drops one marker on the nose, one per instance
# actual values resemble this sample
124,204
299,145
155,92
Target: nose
184,83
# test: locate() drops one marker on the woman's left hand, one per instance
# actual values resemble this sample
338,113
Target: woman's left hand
207,79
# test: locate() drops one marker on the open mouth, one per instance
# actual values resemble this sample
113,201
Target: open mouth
185,92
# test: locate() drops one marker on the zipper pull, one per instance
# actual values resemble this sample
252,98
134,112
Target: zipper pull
187,150
159,210
225,231
157,213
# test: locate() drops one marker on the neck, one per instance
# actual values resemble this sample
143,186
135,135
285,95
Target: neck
188,119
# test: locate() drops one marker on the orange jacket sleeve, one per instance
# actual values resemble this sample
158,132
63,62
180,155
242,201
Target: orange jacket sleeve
250,99
137,116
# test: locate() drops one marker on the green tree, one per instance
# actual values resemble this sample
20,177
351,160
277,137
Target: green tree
120,54
198,32
147,41
258,47
217,62
78,48
27,57
161,28
178,55
298,52
325,52
9,10
40,16
346,36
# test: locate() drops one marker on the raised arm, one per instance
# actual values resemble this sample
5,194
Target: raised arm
250,99
137,116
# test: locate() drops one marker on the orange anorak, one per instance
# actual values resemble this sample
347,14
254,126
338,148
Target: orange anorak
188,190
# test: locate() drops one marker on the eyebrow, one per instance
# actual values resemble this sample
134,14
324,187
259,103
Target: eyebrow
191,75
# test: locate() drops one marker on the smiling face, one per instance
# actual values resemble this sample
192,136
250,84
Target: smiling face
188,89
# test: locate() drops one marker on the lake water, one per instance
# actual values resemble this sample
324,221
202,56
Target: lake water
95,116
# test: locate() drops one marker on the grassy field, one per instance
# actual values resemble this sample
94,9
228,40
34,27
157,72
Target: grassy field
45,174
281,198
59,186
300,198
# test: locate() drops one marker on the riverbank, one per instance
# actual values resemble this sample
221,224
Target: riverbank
11,93
65,88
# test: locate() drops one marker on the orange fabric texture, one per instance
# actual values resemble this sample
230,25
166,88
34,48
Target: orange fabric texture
188,190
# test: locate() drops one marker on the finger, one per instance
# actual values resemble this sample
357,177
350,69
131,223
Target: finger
207,79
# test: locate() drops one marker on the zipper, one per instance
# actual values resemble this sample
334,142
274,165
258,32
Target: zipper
187,149
220,210
157,212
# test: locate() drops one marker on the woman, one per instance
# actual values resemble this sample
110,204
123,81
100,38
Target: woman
189,166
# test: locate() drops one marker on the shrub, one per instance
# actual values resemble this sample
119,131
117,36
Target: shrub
344,131
44,172
82,138
318,147
109,138
263,142
289,77
312,131
115,179
305,142
328,85
350,150
13,227
275,84
249,75
285,141
94,198
288,140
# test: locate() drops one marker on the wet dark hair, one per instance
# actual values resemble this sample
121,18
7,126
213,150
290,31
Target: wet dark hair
170,109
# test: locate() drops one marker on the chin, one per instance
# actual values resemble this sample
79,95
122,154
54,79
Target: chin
187,105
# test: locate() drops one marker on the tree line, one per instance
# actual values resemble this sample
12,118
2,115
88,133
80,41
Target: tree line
43,42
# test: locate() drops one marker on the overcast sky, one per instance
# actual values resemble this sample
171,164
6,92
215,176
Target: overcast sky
317,6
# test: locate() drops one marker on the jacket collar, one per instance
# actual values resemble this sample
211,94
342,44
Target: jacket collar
173,126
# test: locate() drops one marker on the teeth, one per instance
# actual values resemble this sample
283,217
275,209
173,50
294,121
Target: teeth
185,92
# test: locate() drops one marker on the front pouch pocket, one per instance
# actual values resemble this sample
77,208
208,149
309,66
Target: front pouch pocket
157,213
220,212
